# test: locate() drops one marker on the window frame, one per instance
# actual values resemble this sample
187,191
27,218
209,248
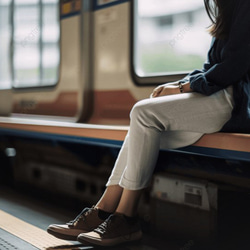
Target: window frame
40,83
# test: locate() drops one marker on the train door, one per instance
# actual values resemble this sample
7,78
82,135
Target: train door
112,81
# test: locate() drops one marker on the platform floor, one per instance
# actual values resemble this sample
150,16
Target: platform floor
25,215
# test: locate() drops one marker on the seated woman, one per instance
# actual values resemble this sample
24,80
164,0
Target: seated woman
213,99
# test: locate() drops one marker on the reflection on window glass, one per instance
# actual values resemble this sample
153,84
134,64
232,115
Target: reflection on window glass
31,36
170,36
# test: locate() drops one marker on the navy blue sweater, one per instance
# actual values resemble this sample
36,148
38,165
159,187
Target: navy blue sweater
228,63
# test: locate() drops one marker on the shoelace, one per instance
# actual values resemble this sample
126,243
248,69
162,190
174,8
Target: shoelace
104,227
85,212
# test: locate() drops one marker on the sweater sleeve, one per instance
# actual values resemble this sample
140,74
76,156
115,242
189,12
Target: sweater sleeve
235,56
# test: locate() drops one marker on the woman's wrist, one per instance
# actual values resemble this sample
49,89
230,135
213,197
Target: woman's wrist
186,87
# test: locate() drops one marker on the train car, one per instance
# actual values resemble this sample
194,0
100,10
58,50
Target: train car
71,71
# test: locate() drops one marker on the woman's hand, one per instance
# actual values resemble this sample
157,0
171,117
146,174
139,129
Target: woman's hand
171,88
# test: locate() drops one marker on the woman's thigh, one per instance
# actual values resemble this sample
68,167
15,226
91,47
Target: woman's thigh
189,112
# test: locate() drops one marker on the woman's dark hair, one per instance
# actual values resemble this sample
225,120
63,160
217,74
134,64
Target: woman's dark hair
220,13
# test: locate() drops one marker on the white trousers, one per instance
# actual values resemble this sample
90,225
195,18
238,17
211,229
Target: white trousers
166,122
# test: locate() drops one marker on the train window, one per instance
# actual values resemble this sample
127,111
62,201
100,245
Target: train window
5,38
170,36
31,32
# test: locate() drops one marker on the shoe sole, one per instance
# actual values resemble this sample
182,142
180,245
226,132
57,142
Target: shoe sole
62,236
137,236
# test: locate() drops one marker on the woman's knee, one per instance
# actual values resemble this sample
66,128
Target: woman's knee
138,110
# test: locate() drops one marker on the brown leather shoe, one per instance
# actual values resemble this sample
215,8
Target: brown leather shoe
115,230
86,221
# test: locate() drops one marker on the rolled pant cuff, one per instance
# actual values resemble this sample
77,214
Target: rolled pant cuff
113,182
126,184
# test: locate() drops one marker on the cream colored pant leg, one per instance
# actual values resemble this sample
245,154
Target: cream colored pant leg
166,122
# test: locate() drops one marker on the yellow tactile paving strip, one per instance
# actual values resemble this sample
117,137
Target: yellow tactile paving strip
31,234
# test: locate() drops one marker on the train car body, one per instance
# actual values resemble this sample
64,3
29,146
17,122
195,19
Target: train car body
94,84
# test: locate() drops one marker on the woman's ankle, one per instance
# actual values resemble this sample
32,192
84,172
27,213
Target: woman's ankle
103,214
